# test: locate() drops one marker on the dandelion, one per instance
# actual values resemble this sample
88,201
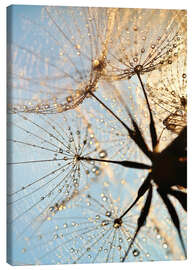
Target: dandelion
44,162
88,230
174,155
59,72
169,95
146,40
85,181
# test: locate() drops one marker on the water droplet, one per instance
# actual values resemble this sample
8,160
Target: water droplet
102,154
95,63
129,239
135,59
120,239
96,170
158,236
51,208
136,252
119,247
142,50
69,99
97,217
108,214
184,76
104,223
105,198
55,236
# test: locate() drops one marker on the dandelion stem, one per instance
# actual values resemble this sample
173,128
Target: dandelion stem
142,190
125,163
152,124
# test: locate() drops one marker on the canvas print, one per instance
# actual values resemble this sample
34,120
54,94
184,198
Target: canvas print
97,135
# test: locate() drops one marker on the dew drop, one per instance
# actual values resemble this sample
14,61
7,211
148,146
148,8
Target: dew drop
55,236
136,252
51,209
97,217
105,198
96,63
102,154
108,214
135,59
104,223
158,236
120,239
119,247
142,50
69,99
96,170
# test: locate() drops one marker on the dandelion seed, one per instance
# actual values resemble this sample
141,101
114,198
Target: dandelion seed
68,64
99,239
168,94
38,144
147,46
